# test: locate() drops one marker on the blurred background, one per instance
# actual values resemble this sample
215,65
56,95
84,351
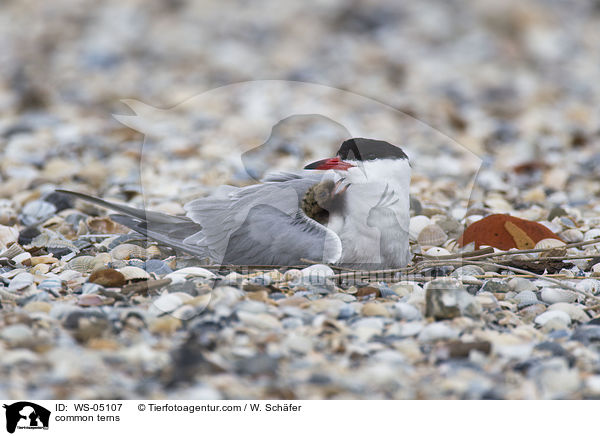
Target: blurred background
508,90
516,82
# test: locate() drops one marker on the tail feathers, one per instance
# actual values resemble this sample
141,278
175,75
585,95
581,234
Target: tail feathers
166,233
167,229
142,214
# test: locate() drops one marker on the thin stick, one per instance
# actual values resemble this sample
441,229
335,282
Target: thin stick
523,271
468,254
533,250
314,262
145,286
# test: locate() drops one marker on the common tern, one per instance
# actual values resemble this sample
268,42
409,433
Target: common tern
351,209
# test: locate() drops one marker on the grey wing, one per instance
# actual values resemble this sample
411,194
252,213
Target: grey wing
170,234
269,236
286,176
240,222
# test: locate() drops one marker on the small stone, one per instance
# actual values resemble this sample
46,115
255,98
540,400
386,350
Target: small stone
407,312
166,303
20,281
447,298
37,306
526,298
90,300
157,266
42,260
529,313
261,321
17,335
437,331
298,344
461,350
495,286
519,284
164,325
375,309
316,274
576,313
467,270
556,295
368,291
553,314
589,285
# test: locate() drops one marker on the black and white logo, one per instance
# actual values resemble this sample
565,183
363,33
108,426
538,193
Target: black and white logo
26,415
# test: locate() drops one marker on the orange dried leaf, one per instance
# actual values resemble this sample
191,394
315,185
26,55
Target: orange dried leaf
505,232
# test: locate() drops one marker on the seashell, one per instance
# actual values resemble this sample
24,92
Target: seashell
472,219
22,258
90,300
114,241
458,213
575,312
185,312
549,243
8,235
40,269
101,261
153,252
82,264
432,235
182,274
505,232
105,225
107,277
589,285
128,251
134,273
20,281
498,204
166,303
43,259
553,247
566,222
451,245
116,264
292,275
36,212
417,223
91,288
157,266
50,239
51,284
467,270
12,251
449,225
70,275
8,217
591,234
437,251
572,235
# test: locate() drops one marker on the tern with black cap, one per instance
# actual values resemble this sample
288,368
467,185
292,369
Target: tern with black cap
351,209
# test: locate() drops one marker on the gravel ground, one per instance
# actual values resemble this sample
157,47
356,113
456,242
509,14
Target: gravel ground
495,104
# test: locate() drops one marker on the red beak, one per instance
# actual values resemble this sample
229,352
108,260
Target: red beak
333,163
